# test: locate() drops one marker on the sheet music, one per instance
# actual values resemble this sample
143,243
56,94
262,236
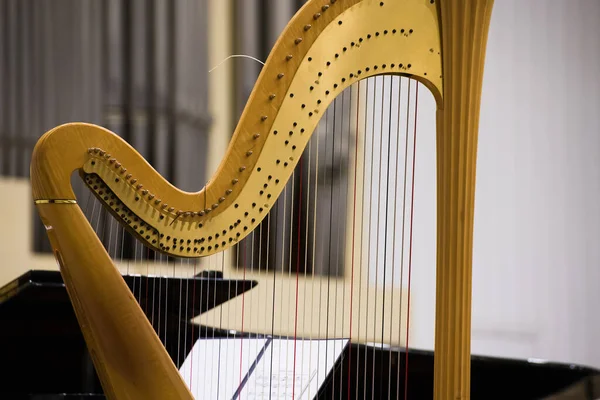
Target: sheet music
212,369
269,369
274,375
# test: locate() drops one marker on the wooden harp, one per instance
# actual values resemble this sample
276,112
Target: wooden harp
328,46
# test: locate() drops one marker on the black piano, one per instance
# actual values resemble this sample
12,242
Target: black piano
44,356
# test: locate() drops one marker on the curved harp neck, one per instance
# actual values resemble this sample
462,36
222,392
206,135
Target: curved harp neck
327,47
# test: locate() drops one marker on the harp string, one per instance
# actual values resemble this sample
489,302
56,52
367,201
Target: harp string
394,229
193,314
309,155
330,264
242,318
306,271
147,278
332,269
237,286
370,227
153,287
387,198
228,305
290,257
314,247
364,157
412,200
299,225
344,233
207,296
353,232
341,227
406,135
377,230
139,247
273,300
221,325
215,324
327,268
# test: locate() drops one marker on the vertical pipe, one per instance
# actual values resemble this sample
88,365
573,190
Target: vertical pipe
151,80
150,87
264,21
7,92
17,134
104,54
127,92
126,69
172,90
20,98
40,239
26,136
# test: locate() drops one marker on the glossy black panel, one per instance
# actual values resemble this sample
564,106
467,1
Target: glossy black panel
491,377
43,354
42,350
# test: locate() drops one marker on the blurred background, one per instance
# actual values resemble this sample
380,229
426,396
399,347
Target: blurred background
141,69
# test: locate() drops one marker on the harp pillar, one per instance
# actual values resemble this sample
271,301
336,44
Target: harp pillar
464,26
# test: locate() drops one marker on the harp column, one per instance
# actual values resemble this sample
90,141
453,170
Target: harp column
465,26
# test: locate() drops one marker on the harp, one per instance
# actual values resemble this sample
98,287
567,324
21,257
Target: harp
329,48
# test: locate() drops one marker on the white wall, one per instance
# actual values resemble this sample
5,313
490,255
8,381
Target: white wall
16,233
536,278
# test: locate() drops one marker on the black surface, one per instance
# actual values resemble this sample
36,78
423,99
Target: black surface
491,377
43,354
42,350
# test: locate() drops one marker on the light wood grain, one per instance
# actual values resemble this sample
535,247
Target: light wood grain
464,36
130,359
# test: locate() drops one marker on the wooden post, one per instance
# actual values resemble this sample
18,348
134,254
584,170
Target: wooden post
464,37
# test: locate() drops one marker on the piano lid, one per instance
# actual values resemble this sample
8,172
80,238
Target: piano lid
41,345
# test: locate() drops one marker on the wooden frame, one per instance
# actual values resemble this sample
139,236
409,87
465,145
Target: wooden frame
440,43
